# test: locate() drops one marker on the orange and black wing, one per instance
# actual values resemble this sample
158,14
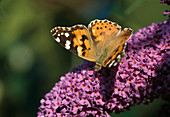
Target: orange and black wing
75,39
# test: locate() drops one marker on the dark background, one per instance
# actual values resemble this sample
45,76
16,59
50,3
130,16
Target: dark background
31,61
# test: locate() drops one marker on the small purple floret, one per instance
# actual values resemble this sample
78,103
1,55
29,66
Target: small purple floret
165,2
168,3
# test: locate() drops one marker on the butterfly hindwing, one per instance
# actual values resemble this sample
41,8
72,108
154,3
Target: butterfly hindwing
116,56
76,39
116,48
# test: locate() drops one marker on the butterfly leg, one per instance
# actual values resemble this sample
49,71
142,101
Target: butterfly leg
98,67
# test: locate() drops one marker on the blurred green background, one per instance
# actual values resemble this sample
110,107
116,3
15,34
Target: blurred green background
31,61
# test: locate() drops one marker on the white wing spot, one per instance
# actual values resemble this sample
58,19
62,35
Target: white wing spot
67,45
79,25
55,33
63,28
66,34
125,44
62,33
57,39
58,34
118,56
111,63
68,28
115,64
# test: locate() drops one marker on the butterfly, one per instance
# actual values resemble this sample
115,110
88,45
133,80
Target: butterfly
103,42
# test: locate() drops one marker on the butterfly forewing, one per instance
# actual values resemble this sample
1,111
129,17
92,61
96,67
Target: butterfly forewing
76,39
101,31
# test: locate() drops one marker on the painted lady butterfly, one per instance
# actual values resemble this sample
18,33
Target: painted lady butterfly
102,42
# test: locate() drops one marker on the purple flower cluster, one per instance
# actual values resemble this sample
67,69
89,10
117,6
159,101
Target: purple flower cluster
165,2
168,3
140,77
